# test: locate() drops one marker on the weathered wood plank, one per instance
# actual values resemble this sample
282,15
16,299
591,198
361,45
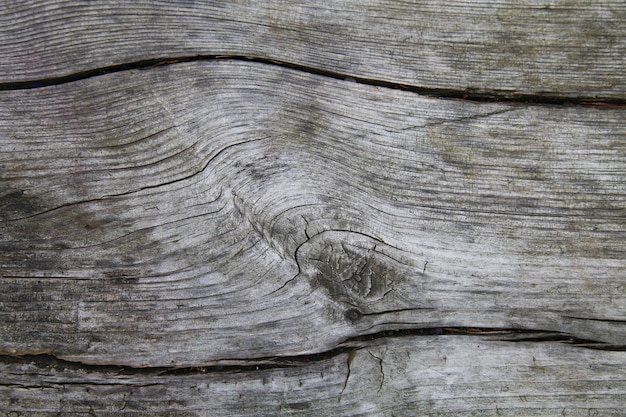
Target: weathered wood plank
208,213
559,48
425,376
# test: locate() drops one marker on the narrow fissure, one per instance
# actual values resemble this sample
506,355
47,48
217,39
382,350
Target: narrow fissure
49,360
442,93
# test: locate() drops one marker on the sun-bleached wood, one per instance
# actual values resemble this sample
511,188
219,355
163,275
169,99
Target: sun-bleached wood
235,238
536,47
425,376
227,212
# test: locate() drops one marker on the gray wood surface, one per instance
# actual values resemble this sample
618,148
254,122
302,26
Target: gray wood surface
246,216
572,48
414,376
246,220
253,237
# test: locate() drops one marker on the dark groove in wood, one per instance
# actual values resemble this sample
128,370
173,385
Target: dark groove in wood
450,94
50,360
596,319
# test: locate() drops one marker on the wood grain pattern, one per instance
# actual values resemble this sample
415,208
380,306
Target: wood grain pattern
268,212
202,213
565,49
426,376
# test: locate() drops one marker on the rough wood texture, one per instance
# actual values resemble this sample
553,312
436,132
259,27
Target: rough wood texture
558,48
148,223
417,376
226,237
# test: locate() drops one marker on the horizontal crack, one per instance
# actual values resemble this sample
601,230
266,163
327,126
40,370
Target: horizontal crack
201,170
597,319
444,93
51,361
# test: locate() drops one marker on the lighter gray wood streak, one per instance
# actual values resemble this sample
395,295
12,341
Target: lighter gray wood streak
220,212
569,49
434,376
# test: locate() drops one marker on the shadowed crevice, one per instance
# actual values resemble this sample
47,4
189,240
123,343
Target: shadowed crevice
470,94
47,361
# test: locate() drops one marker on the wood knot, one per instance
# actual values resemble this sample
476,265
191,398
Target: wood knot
350,268
353,314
